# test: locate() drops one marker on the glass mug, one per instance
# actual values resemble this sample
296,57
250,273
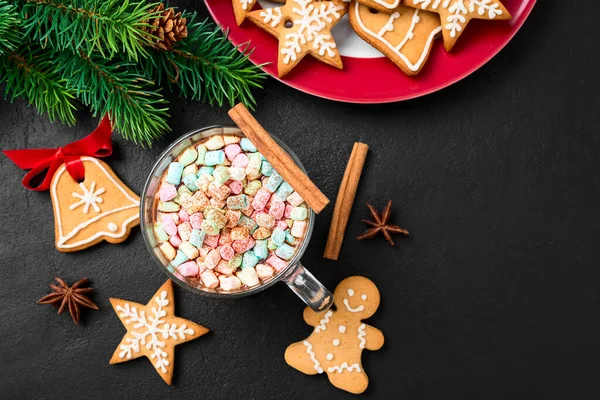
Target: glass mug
302,282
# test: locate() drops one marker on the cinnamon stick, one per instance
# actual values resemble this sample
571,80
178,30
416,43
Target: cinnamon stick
345,198
279,158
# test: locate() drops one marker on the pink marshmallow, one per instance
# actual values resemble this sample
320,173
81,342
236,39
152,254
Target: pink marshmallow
212,259
277,208
211,241
175,241
282,225
183,215
226,252
261,199
196,220
189,268
236,187
201,267
167,192
240,161
276,262
171,216
298,229
232,150
169,226
295,199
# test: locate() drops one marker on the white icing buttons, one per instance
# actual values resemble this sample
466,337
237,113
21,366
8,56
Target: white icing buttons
329,356
350,292
342,329
112,227
364,297
336,342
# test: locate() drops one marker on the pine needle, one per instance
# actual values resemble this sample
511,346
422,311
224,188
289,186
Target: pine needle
104,26
9,23
135,105
28,72
206,66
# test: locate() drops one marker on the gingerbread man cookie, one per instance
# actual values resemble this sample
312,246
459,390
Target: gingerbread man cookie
339,338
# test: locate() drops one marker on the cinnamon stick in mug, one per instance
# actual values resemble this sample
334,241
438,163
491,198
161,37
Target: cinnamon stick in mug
279,158
344,201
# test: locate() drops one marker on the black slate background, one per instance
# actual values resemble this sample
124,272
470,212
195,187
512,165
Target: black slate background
495,294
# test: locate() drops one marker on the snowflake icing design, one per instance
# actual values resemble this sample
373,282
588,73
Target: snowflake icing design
246,4
152,327
88,198
458,11
272,16
312,19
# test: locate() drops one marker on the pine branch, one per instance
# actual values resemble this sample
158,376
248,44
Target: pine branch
136,108
104,26
28,72
9,23
206,66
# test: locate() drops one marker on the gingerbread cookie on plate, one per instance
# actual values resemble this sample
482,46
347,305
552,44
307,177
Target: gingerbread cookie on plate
405,36
241,8
456,14
339,338
302,27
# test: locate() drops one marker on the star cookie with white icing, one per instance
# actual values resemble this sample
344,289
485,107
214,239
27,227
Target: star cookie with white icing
335,347
456,14
405,36
241,8
153,331
302,27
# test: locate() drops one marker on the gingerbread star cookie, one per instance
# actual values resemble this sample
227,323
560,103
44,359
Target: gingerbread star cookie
405,36
456,14
302,27
241,8
153,331
335,347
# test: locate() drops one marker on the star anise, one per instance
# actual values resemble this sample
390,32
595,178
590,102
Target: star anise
72,297
381,224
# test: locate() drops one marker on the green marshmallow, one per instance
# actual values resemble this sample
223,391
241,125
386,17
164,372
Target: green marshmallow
168,206
188,156
201,150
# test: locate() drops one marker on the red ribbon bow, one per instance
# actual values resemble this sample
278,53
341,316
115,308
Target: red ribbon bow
96,144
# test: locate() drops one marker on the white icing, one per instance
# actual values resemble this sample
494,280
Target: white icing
389,26
61,243
154,327
336,342
350,292
246,4
356,309
389,6
361,336
313,357
322,324
88,198
340,368
342,329
271,16
457,19
329,356
398,49
312,18
112,227
363,297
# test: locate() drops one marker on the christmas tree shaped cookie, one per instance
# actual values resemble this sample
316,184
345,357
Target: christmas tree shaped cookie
339,338
98,208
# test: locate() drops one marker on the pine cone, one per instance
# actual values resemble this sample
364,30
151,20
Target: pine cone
168,27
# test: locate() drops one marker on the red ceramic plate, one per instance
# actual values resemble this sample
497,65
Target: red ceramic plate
368,77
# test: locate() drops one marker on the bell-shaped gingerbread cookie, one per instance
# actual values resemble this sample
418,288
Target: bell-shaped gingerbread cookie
99,208
335,347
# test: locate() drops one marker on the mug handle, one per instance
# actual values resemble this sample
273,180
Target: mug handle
309,289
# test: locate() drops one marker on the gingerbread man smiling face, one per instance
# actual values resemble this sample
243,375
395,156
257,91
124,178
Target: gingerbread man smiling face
336,344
